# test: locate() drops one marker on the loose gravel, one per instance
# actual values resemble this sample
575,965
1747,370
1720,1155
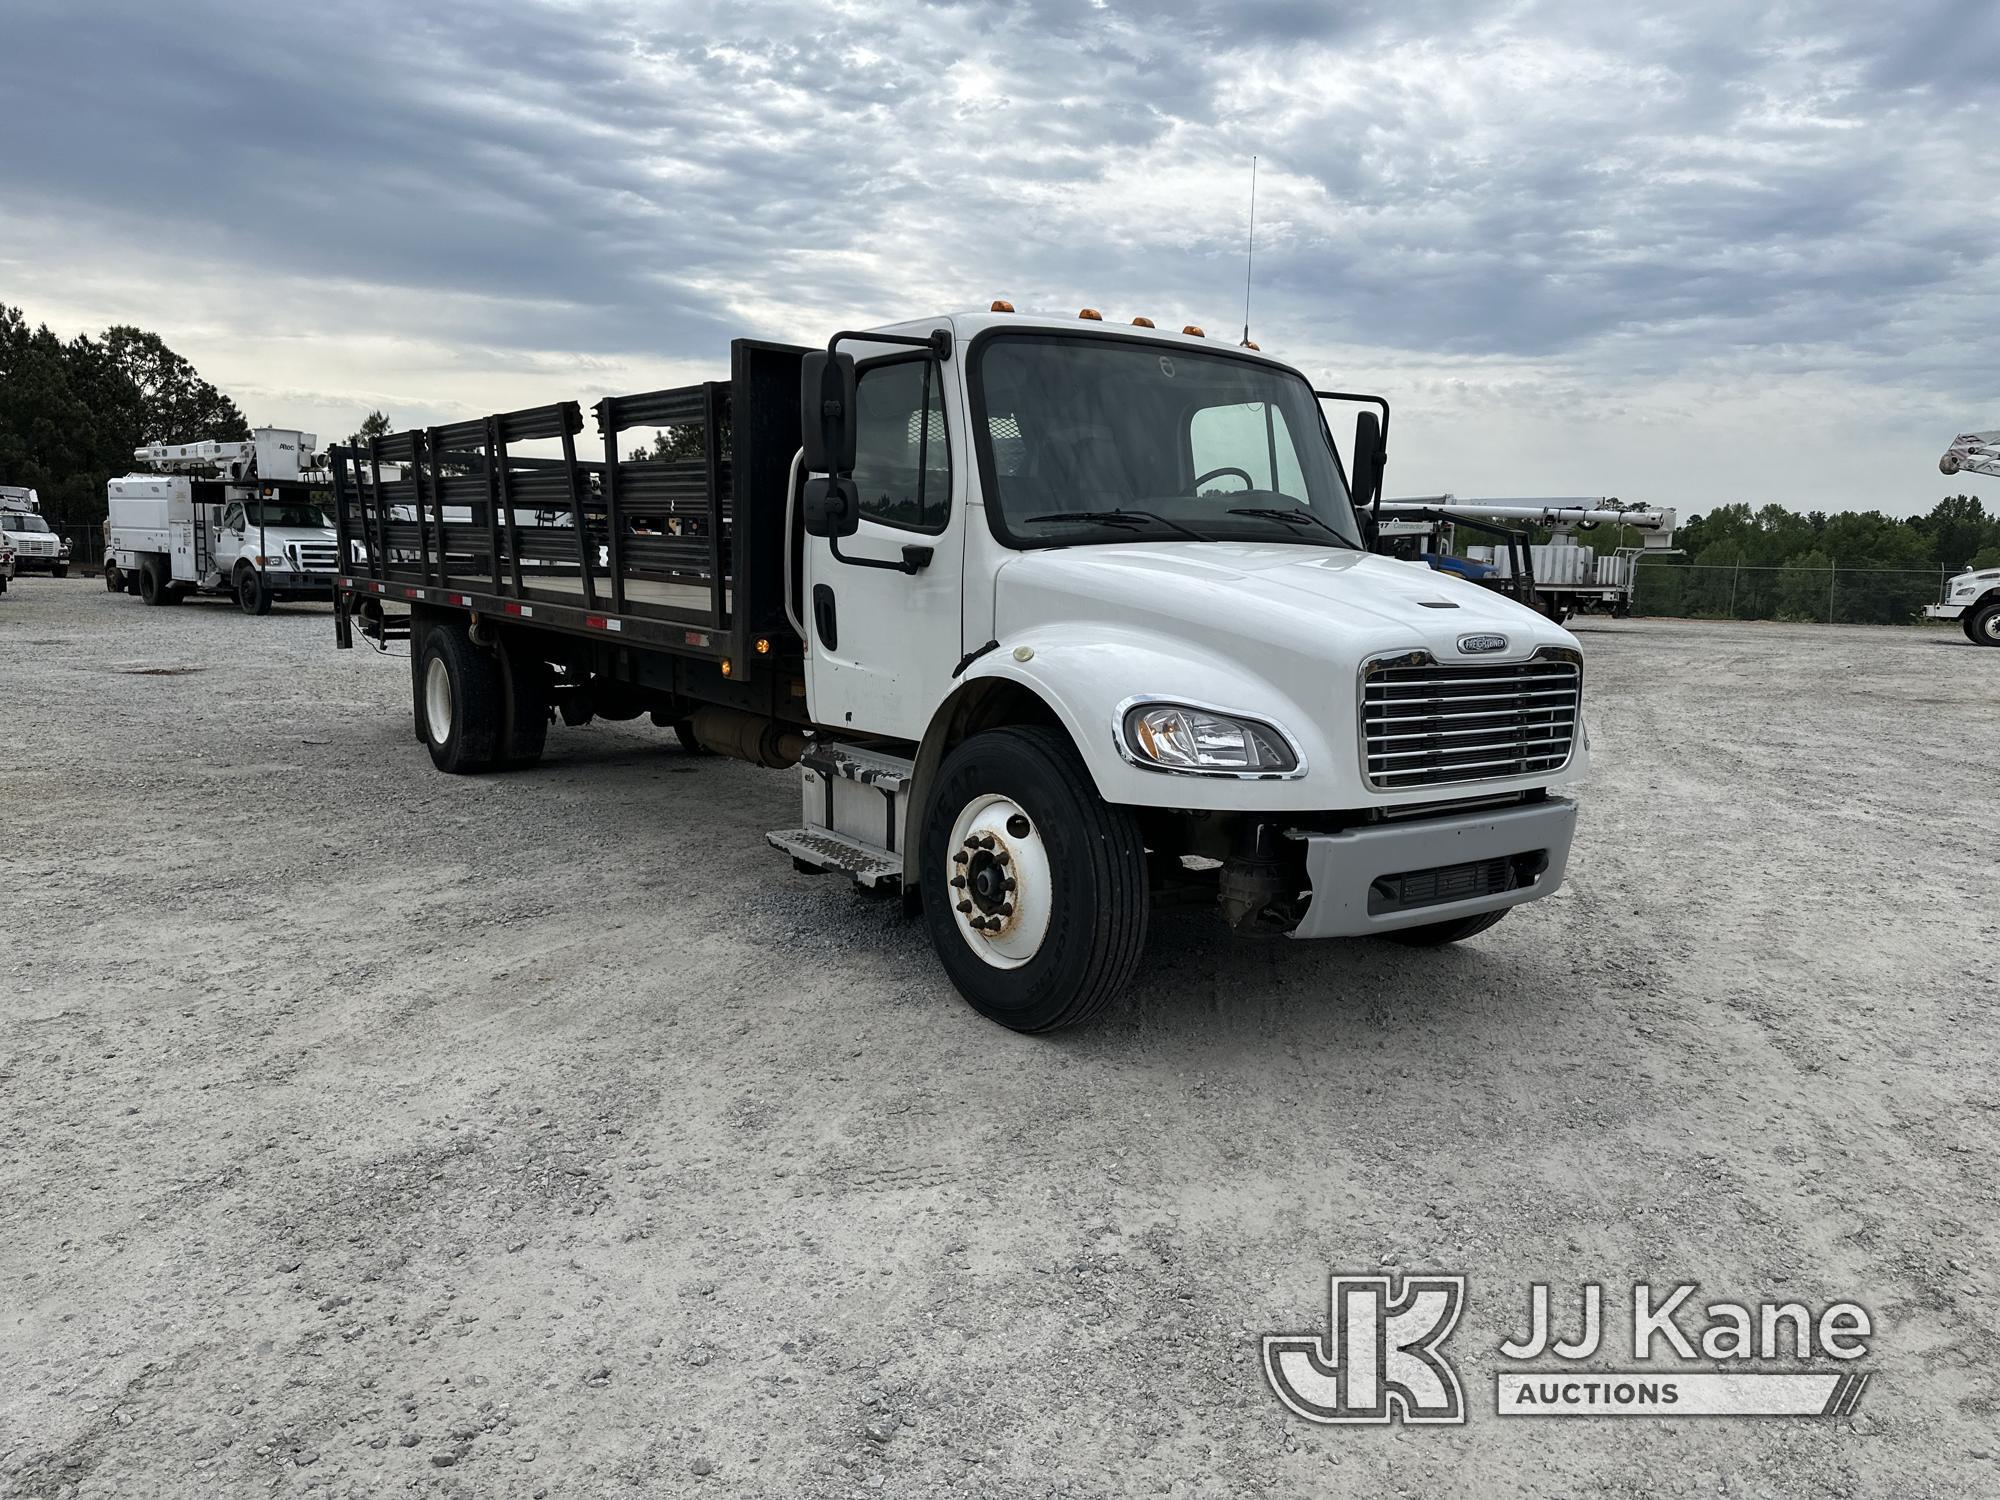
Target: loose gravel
365,1130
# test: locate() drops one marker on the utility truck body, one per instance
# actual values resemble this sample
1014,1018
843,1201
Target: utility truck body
1057,622
248,520
1973,600
36,546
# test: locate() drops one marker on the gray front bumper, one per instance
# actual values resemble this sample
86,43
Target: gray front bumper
1342,867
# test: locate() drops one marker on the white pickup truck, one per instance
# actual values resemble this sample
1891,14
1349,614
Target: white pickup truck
1058,621
247,520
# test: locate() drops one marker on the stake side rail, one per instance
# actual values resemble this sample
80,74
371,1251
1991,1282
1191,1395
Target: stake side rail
643,547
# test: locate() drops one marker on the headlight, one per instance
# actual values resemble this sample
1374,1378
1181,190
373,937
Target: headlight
1173,737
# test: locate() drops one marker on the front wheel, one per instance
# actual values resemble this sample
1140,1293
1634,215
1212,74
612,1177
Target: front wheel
1983,628
251,595
1034,888
113,579
60,570
1437,934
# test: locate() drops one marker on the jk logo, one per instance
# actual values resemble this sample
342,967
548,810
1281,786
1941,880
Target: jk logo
1380,1352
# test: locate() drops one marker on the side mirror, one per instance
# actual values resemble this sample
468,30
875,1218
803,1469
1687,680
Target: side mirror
1368,456
832,508
826,417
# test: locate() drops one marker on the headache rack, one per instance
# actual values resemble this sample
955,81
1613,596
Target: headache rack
683,552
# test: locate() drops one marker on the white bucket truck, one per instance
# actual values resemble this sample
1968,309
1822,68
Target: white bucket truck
1055,620
36,547
246,519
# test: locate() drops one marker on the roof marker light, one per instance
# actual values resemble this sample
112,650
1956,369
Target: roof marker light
1000,306
1193,332
1090,315
1248,345
1142,322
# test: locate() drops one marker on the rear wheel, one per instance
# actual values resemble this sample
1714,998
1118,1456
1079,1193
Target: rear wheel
1034,889
460,701
1982,626
1437,934
153,585
525,718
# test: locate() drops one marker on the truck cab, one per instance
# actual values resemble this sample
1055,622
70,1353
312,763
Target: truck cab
1057,623
1972,599
36,546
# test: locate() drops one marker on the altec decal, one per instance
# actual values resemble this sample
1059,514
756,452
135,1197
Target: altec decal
1382,1357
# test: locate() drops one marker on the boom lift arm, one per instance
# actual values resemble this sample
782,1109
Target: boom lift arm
1972,453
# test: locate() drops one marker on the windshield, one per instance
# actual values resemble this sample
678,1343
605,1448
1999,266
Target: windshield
286,513
15,520
1097,440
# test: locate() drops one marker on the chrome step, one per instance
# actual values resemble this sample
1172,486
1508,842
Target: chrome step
833,853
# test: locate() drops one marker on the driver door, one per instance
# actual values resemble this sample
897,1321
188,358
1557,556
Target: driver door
884,642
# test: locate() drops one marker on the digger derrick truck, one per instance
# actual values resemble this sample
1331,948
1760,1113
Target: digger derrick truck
1972,598
1053,621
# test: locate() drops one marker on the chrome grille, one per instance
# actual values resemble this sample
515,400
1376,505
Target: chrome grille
315,557
1424,723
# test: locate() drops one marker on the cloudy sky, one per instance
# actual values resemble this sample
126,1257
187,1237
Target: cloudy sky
1686,254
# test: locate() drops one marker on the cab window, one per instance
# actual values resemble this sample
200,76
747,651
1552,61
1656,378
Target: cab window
1245,446
232,517
902,459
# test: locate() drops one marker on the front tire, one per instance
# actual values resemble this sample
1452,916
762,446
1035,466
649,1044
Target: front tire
251,595
1016,840
60,570
114,581
1437,934
1982,626
459,702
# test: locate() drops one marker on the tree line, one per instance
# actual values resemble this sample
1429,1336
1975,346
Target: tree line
72,411
1856,567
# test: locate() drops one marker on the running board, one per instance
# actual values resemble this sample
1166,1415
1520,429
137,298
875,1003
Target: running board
820,851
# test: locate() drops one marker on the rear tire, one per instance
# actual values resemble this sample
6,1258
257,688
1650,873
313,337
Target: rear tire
1982,625
1068,931
525,717
153,588
1437,934
460,701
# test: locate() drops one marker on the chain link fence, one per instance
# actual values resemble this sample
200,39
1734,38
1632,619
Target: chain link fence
1807,590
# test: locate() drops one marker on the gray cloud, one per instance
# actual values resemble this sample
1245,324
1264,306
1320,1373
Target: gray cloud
1579,204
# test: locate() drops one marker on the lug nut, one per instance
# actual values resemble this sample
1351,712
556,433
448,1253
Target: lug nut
961,857
1003,857
1007,884
967,906
958,882
1006,911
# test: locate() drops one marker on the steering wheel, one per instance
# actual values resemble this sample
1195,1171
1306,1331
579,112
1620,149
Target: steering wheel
1248,482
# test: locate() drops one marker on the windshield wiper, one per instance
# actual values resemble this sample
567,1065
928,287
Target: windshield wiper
1119,518
1288,514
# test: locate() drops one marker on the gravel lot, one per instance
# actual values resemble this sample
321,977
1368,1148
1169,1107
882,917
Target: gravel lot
367,1131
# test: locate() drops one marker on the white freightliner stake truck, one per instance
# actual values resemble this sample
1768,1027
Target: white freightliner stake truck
1056,620
245,519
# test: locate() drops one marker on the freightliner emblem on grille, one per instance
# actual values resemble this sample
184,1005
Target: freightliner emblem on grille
1471,644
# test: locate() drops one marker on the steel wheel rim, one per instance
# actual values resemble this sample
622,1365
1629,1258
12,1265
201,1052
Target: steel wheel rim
437,700
1990,627
994,841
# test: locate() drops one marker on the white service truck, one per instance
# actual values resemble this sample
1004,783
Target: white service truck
37,548
1972,598
1056,622
245,519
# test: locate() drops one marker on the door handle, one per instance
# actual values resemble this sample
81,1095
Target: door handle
826,623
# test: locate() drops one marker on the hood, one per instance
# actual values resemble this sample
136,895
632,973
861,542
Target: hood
1315,601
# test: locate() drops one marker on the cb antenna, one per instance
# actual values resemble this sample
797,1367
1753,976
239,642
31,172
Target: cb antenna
1250,250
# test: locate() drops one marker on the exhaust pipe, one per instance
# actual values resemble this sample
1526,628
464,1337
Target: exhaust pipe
748,736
